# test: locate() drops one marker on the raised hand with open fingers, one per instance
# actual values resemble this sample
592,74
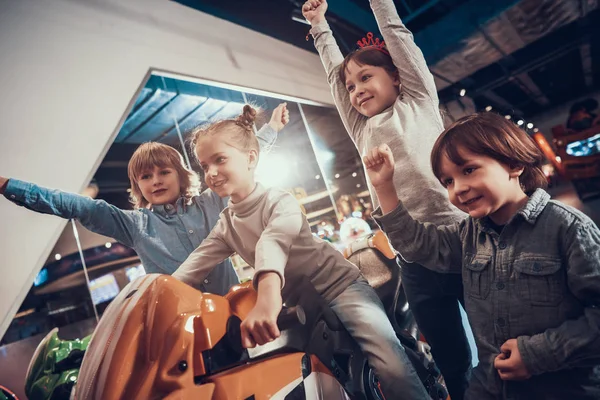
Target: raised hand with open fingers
314,10
379,162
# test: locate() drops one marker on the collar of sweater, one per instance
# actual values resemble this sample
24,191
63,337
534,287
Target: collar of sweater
248,205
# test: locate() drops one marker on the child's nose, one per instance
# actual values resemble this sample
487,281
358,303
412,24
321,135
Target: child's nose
461,186
212,171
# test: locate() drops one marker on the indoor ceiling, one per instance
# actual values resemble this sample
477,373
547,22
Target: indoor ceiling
520,57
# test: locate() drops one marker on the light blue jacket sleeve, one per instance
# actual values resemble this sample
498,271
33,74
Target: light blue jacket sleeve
266,138
96,215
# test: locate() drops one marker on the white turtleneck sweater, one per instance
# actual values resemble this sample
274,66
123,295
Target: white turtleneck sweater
268,230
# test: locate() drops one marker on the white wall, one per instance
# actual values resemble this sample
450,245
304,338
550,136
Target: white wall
68,72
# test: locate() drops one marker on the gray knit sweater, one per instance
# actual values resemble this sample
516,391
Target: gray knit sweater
268,230
410,127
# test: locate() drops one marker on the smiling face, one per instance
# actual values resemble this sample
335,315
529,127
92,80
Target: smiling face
160,185
372,89
482,186
228,171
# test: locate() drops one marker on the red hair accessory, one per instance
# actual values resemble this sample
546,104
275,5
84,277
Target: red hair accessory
368,41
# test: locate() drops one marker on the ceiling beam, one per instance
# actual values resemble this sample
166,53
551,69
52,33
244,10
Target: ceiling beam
531,88
440,38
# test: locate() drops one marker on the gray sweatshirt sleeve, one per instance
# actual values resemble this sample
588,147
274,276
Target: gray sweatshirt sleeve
575,343
438,248
205,258
332,58
96,215
415,77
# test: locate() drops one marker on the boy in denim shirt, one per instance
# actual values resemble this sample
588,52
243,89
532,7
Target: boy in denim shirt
530,265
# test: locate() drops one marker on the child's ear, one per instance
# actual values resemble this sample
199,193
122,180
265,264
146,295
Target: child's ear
516,171
252,159
396,76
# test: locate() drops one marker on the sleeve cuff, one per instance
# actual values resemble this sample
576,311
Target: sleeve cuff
262,271
391,217
268,135
536,354
17,190
321,27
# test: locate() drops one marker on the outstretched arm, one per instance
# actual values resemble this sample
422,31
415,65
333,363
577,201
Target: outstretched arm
268,133
96,215
332,58
415,76
437,248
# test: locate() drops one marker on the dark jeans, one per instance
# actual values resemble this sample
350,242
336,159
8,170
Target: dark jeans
434,300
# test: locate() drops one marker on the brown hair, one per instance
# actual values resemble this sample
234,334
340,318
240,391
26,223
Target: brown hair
152,154
494,136
368,56
239,129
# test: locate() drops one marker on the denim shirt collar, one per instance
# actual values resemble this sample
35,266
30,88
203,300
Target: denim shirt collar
171,209
530,211
534,207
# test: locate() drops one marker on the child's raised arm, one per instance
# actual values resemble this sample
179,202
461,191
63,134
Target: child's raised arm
201,261
437,248
575,343
96,215
415,76
268,133
332,59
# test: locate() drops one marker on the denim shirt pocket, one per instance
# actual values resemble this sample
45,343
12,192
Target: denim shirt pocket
540,281
477,275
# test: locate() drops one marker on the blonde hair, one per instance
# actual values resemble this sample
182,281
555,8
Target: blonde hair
152,154
240,130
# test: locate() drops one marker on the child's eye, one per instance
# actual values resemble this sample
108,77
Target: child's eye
365,77
350,88
204,167
165,172
220,160
447,182
468,170
145,176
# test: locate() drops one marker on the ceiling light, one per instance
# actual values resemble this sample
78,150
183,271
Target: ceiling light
462,92
317,176
108,245
337,176
358,185
529,125
558,159
536,130
57,256
488,108
507,116
354,174
520,122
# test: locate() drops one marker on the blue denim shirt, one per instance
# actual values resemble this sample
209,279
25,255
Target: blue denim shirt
538,281
163,237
